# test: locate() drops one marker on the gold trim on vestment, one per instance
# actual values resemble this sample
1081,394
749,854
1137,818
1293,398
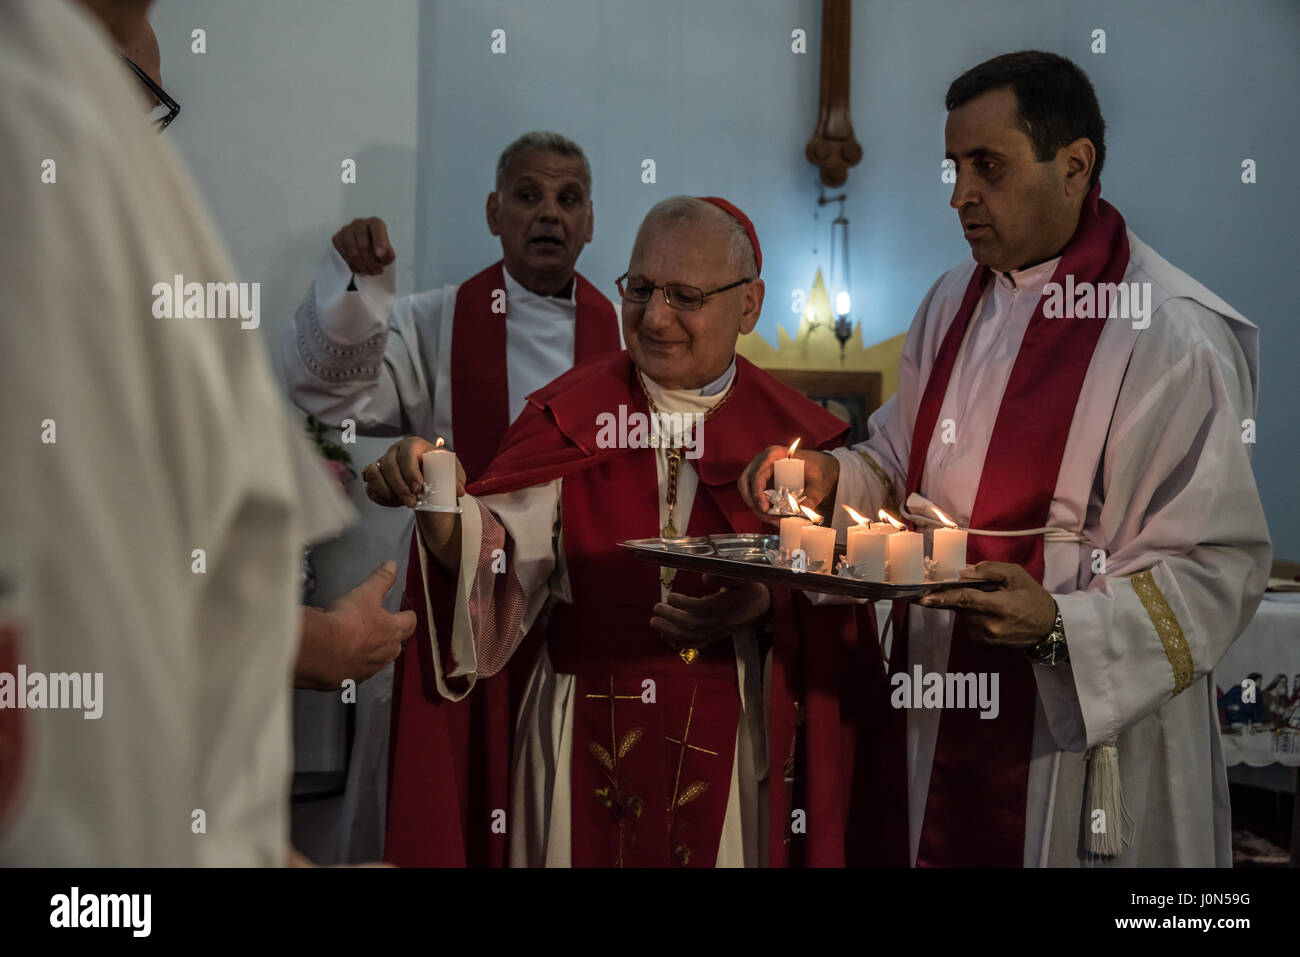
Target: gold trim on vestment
1167,627
891,499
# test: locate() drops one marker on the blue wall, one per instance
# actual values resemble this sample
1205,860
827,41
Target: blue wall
712,92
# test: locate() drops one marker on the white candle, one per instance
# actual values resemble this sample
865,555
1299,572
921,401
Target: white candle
906,554
949,552
439,468
866,549
790,529
883,528
818,544
788,473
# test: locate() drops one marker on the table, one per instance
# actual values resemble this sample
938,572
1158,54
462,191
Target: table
1258,683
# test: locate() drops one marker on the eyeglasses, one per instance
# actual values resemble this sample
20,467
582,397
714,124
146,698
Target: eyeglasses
678,295
160,118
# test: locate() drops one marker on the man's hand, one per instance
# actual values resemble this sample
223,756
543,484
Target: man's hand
354,638
687,622
364,246
1019,614
396,477
821,473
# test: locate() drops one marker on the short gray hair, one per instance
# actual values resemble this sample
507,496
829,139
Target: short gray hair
546,141
691,209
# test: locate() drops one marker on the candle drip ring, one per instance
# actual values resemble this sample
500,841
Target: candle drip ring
778,501
425,502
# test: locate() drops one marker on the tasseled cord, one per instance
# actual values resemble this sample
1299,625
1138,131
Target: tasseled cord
1107,835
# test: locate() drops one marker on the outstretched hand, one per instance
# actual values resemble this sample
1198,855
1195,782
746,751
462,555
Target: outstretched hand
1018,615
687,622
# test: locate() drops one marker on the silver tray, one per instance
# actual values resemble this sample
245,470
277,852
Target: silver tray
744,556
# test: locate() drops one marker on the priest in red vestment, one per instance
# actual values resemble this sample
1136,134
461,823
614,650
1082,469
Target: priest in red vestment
668,720
454,363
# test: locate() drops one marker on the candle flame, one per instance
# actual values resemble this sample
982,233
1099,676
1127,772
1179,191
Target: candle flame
794,502
790,454
439,444
856,515
891,520
812,516
943,518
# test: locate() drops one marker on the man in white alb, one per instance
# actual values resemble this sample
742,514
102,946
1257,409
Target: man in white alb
152,517
453,363
1128,436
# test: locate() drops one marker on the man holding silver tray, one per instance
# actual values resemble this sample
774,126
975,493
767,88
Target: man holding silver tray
669,720
1085,412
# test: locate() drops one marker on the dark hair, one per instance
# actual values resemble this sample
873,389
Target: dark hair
1054,99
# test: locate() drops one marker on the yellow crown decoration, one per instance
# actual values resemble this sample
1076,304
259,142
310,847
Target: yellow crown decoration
814,345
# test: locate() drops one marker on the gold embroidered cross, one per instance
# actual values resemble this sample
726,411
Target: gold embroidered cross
613,797
694,790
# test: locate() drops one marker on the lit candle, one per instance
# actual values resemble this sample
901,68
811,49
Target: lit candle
866,551
859,551
888,523
818,544
949,548
439,468
787,473
906,554
790,529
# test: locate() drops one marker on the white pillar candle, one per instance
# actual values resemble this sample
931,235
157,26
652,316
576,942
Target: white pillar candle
906,554
788,473
790,529
883,528
818,543
949,552
439,468
866,549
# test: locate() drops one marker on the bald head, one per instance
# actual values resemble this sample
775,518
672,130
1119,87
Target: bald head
708,222
688,241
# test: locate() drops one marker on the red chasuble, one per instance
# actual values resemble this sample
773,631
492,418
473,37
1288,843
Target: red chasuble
448,761
975,811
651,780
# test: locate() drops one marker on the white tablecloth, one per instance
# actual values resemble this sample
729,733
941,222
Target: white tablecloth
1267,729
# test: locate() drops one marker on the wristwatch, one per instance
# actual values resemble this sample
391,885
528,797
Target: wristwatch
1052,650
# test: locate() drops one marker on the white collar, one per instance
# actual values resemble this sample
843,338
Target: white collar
1032,278
721,382
690,400
517,294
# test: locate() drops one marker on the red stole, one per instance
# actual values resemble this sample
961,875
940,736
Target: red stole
821,678
976,806
449,762
480,389
13,747
651,770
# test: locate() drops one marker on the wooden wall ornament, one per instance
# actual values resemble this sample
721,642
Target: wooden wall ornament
833,147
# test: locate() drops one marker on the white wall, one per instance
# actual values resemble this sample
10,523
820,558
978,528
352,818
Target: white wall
711,90
285,92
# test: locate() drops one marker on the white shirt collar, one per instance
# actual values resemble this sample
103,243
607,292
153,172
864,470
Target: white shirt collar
720,383
1032,278
516,293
